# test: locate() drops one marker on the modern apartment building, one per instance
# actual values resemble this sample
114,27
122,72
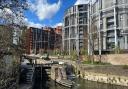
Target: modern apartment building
40,40
108,28
74,33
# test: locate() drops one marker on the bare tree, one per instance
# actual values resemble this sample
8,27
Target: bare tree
93,40
11,16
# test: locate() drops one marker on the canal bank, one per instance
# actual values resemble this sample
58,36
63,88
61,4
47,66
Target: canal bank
82,84
110,74
47,83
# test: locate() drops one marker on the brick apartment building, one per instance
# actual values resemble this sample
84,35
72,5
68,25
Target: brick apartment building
58,38
44,39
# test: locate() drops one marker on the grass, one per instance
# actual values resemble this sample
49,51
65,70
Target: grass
95,63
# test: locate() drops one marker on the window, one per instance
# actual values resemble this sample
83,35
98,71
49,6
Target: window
121,20
127,20
110,33
81,36
80,7
110,22
81,44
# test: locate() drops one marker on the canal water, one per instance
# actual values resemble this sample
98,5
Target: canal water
83,84
47,83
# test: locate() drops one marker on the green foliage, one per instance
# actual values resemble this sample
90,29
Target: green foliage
65,53
95,63
73,55
84,51
54,52
86,62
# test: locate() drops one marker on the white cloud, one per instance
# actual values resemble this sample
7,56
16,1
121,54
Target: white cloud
81,2
44,10
36,25
58,24
33,24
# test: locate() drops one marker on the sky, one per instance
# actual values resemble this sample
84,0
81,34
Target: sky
48,12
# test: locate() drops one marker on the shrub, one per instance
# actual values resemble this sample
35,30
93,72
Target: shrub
95,63
73,55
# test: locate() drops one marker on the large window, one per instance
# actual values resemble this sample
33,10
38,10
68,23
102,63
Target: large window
66,32
110,22
67,21
110,33
81,8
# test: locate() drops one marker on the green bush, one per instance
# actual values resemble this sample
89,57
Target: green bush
86,62
83,51
73,55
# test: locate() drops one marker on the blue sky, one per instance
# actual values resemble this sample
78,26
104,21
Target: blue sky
48,12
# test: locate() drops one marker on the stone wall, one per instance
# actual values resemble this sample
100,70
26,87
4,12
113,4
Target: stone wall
115,59
105,78
112,74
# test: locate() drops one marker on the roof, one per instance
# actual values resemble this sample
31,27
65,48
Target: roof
78,2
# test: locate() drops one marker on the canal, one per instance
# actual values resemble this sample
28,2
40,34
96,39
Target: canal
46,83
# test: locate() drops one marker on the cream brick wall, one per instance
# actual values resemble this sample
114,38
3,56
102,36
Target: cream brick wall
115,59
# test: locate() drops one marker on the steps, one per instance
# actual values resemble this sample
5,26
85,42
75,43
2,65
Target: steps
29,74
48,71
